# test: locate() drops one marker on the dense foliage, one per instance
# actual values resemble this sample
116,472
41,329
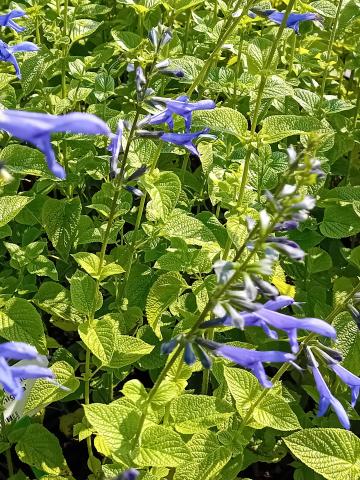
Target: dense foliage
179,211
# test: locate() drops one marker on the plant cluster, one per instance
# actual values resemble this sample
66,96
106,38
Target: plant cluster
179,211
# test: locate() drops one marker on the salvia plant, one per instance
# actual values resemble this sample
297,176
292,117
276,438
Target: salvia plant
179,221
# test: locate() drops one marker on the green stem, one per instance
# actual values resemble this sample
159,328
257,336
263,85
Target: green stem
206,372
238,68
58,7
255,116
215,12
329,49
294,41
187,30
37,29
65,49
7,452
229,27
87,377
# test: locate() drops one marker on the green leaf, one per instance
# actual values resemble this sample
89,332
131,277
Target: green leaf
318,260
164,190
277,127
331,452
257,55
164,291
348,341
60,221
126,40
20,322
43,393
10,206
190,229
83,27
272,411
54,299
85,296
25,161
223,120
43,267
161,447
324,7
196,413
128,350
115,423
99,337
104,86
33,70
39,448
340,221
209,457
91,264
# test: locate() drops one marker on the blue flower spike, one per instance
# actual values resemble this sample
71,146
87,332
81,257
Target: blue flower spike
11,376
36,128
7,20
7,53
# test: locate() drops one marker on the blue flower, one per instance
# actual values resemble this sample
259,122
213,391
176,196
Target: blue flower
287,247
7,20
11,376
181,106
37,128
267,316
116,148
251,359
350,379
140,79
293,20
7,53
327,399
287,225
184,139
131,474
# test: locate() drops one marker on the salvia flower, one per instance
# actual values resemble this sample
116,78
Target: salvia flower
7,20
327,399
287,247
140,80
37,128
345,375
11,376
293,21
116,148
131,474
250,359
183,107
185,140
7,53
267,316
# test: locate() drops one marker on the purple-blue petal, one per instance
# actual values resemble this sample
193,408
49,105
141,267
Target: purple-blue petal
18,351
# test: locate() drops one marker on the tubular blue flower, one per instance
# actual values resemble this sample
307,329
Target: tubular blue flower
350,379
7,53
327,399
115,148
293,20
11,377
189,355
267,316
140,79
37,128
251,359
131,474
181,106
184,139
287,247
7,20
165,38
287,225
